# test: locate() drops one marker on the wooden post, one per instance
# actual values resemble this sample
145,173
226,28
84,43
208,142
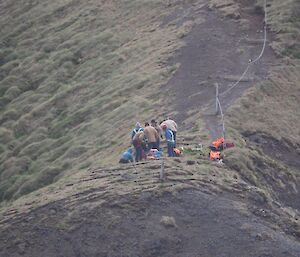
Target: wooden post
162,171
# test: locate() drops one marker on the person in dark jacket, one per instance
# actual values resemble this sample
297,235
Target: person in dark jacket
138,142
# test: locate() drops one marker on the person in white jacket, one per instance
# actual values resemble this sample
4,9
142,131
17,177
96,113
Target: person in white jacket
172,125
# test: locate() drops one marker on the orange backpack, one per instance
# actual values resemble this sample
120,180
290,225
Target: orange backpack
214,155
218,142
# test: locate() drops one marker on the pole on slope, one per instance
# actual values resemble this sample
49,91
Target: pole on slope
223,127
162,171
133,165
217,98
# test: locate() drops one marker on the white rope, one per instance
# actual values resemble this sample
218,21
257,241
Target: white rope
244,73
257,58
221,110
265,33
222,115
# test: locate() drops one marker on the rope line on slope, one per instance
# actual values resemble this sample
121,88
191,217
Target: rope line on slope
218,103
257,58
222,117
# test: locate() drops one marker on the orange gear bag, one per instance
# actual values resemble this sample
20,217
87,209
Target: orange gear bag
218,142
214,155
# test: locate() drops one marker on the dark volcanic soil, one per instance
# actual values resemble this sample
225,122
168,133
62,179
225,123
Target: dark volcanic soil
204,225
216,51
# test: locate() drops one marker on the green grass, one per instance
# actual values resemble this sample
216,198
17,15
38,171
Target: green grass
73,78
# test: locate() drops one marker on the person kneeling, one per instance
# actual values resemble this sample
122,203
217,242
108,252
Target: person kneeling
126,156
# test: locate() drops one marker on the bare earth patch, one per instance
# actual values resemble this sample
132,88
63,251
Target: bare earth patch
216,51
206,225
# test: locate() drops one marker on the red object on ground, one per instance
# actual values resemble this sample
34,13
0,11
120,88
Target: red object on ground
177,152
229,145
213,156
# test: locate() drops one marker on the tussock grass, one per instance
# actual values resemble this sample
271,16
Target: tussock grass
10,115
230,8
74,79
284,20
6,135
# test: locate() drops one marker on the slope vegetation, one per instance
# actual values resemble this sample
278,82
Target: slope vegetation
266,121
105,64
75,75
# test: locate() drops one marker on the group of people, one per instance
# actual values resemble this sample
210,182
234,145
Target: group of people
149,137
147,142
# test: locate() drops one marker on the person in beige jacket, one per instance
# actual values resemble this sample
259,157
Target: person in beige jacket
171,124
159,130
151,136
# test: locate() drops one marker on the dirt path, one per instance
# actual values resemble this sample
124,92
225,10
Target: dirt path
216,51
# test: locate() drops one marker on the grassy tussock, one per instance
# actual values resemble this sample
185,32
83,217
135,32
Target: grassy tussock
74,79
283,17
273,105
230,8
261,171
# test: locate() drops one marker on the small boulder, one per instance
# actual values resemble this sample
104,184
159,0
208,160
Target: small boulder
190,162
168,221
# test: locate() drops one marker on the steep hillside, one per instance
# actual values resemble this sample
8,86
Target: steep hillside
267,116
261,112
75,77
